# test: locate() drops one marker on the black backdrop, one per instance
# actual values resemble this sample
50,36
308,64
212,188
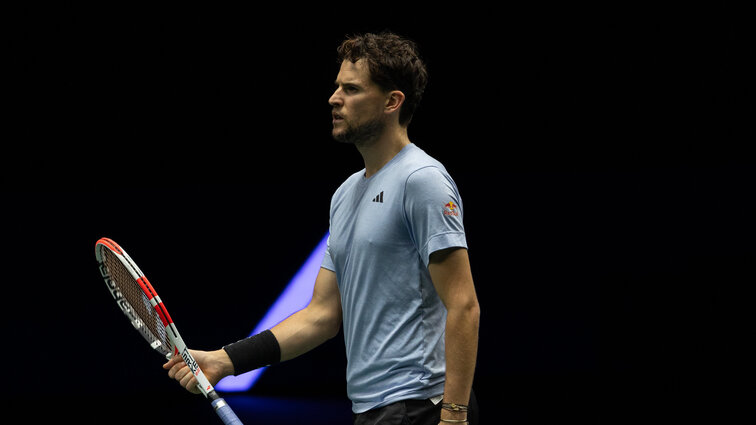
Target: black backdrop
602,155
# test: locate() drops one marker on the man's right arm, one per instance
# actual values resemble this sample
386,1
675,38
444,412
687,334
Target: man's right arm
296,335
316,323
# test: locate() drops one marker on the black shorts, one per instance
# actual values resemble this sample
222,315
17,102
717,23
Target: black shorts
411,412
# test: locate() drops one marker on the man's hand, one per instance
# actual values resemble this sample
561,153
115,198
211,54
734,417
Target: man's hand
214,364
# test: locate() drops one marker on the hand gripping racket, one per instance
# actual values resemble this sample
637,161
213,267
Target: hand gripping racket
147,313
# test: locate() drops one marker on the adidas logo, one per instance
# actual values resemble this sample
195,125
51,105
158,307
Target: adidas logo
379,198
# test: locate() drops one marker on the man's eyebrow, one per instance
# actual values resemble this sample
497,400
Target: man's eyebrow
346,83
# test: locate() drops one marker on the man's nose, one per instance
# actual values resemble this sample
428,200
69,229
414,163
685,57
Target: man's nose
335,99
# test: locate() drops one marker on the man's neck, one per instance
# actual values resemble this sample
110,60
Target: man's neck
381,151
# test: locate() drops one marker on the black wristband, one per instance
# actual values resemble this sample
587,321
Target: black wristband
254,352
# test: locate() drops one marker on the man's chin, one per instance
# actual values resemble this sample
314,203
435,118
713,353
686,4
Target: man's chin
362,135
340,136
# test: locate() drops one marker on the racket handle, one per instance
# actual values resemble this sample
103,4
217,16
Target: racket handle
225,412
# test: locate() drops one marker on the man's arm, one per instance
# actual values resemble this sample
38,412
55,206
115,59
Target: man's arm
315,324
298,334
451,275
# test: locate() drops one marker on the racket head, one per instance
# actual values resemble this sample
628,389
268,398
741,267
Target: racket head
134,295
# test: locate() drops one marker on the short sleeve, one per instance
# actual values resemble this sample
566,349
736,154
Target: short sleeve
327,260
433,210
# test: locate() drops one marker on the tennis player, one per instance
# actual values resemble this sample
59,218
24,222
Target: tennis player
396,273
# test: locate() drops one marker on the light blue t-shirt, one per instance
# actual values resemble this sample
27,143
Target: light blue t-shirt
382,232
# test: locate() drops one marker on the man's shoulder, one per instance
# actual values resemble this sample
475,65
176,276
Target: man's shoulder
417,158
418,163
421,168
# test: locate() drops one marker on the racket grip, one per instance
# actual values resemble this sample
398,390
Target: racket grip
225,412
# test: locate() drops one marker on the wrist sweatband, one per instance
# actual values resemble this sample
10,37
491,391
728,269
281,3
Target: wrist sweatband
254,352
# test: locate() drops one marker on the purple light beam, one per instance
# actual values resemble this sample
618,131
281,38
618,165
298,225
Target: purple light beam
294,297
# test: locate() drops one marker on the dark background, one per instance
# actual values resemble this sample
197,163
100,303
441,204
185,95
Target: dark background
603,155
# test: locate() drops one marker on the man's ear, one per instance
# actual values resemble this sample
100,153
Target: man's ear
394,101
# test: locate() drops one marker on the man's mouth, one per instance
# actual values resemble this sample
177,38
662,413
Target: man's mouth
336,117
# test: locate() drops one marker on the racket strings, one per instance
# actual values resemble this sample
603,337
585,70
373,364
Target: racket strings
147,320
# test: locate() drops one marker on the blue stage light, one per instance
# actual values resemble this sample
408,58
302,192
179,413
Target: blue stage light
295,297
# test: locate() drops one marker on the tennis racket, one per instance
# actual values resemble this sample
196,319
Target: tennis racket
147,313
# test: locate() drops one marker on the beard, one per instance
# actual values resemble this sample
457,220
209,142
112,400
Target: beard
363,134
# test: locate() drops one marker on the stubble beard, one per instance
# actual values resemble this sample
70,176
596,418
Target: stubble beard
361,135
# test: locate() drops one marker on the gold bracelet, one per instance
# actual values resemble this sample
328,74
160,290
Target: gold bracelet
453,407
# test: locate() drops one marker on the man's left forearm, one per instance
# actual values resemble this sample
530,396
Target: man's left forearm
461,352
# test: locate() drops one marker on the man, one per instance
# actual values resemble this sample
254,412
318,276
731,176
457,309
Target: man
396,272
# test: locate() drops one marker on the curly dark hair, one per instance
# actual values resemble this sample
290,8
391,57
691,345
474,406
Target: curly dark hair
394,64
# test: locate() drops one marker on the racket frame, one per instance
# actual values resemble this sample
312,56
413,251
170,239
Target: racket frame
178,347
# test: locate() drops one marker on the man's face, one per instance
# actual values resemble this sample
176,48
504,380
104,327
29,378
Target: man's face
358,105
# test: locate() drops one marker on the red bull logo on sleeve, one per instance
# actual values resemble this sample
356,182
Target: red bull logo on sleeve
451,209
